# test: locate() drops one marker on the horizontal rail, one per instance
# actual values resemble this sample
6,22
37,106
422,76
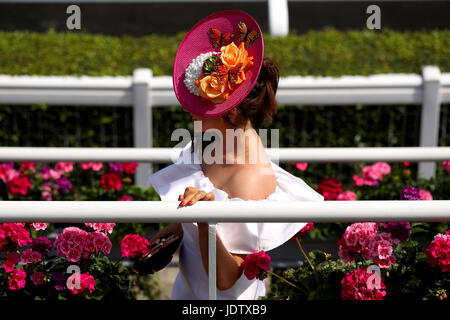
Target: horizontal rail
292,90
165,155
218,211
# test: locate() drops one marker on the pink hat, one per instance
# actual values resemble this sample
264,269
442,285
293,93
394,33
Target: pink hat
217,63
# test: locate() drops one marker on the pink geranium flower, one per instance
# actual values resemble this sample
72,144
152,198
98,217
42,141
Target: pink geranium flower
7,173
438,252
425,195
81,283
347,196
358,285
108,227
256,265
64,166
95,166
39,226
301,166
17,279
134,246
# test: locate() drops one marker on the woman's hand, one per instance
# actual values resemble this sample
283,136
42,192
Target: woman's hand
192,195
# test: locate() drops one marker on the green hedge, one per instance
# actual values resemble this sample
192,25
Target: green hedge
329,52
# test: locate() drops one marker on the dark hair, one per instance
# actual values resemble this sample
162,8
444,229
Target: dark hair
260,104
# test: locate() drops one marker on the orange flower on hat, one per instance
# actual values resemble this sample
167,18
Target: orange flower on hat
210,87
231,56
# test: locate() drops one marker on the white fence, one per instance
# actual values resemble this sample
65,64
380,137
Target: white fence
143,92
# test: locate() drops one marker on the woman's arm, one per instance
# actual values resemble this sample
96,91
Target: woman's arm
228,265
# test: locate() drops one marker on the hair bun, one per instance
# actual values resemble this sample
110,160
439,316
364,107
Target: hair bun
260,104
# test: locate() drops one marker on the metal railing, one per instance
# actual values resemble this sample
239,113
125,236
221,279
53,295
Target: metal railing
143,92
215,212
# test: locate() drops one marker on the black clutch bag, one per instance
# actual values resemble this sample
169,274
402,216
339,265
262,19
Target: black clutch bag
160,254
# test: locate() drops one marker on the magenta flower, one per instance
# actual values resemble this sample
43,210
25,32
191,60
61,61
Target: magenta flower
95,166
17,279
64,184
19,185
346,196
125,198
81,283
256,265
398,230
42,245
64,167
359,285
438,252
301,166
37,278
134,246
446,165
410,193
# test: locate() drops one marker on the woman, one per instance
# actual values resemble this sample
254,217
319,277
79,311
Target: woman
235,89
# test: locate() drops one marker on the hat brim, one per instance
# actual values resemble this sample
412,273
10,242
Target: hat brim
198,41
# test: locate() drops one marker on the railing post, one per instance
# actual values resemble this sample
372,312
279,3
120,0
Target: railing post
429,120
142,120
212,260
278,17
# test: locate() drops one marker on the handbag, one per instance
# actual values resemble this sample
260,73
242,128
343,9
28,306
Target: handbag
160,254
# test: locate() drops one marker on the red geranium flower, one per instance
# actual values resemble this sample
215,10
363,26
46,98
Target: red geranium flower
330,188
111,180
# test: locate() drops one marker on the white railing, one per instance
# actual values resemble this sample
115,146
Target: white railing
143,92
232,211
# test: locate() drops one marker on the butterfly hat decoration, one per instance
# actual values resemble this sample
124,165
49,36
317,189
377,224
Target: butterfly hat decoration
217,63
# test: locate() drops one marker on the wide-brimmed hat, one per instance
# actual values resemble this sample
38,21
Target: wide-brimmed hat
217,63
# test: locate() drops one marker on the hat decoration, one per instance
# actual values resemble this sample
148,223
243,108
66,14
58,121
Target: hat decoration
216,74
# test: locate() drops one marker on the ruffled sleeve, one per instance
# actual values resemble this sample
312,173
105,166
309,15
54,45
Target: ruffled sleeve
239,238
246,238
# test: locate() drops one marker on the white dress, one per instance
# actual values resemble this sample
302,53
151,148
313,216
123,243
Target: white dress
240,238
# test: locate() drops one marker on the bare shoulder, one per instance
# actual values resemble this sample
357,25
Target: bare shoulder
248,183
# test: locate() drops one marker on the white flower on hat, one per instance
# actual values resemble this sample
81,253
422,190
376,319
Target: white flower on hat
194,70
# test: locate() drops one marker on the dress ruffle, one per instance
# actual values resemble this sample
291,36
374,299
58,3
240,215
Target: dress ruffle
239,238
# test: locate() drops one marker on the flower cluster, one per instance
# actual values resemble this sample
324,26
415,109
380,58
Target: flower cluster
95,166
256,265
108,227
359,285
372,175
81,283
438,252
134,246
75,244
12,234
30,256
362,239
